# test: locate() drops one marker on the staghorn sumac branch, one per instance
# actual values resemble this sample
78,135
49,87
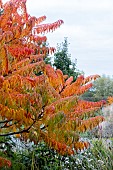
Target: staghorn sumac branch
19,132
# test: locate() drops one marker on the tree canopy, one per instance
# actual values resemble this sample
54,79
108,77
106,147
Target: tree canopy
101,90
62,60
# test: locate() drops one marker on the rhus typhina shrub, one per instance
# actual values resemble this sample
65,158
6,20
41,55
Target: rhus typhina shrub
38,102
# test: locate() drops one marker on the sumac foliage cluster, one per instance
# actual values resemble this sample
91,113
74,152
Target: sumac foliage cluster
36,101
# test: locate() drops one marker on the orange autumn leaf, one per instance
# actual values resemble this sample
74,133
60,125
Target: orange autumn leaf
110,100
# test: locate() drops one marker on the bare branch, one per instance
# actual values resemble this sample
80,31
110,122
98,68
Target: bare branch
7,126
22,131
6,121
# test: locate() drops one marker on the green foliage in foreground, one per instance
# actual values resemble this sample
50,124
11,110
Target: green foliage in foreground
98,157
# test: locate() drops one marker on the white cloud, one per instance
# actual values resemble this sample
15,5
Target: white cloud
72,4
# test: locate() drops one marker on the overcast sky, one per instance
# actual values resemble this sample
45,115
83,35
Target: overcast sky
88,24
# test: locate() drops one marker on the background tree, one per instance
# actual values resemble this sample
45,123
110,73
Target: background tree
62,60
102,88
